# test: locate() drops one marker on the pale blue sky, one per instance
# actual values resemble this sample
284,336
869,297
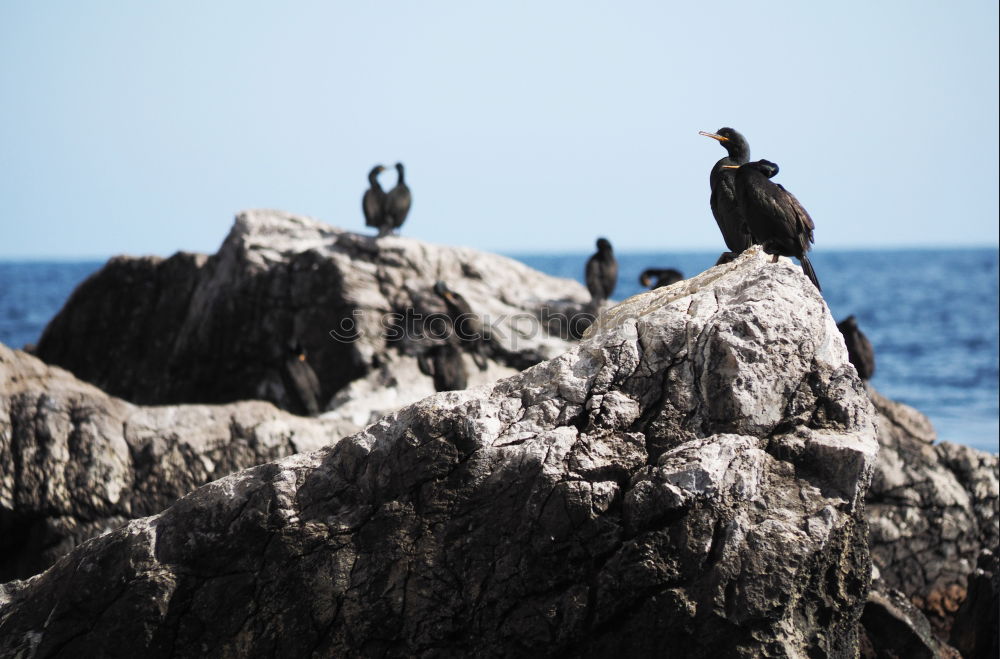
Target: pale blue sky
144,127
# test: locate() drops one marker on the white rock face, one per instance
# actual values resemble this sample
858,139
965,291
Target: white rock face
387,275
740,343
397,382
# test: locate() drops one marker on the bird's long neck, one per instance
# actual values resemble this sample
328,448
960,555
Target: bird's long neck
373,180
739,154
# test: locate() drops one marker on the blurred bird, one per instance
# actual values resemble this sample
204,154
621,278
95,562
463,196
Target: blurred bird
443,362
373,202
776,219
397,202
468,329
725,206
663,277
302,379
859,348
601,272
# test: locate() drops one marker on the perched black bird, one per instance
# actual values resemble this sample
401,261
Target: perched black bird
302,380
443,362
663,277
373,203
725,206
726,257
397,202
601,272
467,328
776,219
859,348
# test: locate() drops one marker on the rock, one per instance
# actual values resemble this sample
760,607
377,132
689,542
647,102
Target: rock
689,480
976,632
893,627
78,462
198,329
932,509
398,381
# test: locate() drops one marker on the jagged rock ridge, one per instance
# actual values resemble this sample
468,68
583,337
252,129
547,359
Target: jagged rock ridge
193,328
689,479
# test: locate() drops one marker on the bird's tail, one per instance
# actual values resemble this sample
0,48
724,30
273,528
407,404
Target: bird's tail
807,267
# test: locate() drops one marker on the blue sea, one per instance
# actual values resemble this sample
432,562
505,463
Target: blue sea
932,316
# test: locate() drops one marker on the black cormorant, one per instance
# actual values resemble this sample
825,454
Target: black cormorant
443,362
776,219
663,277
397,202
466,326
725,206
859,348
601,272
302,380
373,203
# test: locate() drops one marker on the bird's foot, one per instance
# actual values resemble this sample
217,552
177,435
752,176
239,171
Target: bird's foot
774,258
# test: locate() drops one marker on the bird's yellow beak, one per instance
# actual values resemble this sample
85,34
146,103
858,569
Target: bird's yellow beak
302,358
714,136
730,166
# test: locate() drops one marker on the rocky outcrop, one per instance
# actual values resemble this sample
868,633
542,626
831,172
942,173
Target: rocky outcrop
688,480
932,509
198,329
78,462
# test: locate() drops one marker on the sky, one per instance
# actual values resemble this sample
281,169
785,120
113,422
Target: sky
144,127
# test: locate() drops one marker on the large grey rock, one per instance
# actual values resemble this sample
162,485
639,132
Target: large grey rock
77,462
932,509
198,329
687,481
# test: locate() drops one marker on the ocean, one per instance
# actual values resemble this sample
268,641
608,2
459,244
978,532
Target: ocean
932,316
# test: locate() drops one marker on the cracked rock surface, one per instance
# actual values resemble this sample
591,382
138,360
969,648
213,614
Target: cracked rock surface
687,481
215,329
932,510
77,462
